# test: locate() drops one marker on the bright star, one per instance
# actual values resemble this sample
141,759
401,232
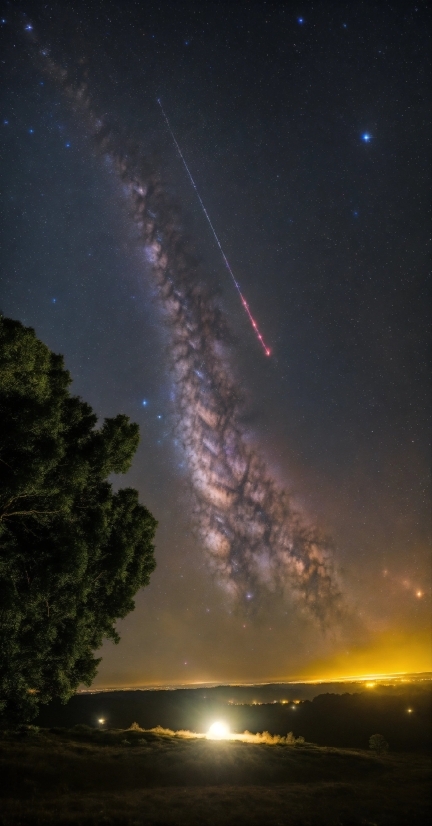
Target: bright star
144,402
366,137
29,27
67,145
300,20
31,131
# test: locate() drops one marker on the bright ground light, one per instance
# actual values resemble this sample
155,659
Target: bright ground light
218,731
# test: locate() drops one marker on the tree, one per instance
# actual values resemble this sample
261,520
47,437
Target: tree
378,743
73,554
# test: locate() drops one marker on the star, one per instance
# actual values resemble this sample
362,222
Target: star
300,20
366,137
144,402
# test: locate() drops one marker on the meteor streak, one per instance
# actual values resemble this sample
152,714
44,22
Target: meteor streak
266,349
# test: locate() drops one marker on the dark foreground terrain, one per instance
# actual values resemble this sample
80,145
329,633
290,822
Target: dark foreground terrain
88,776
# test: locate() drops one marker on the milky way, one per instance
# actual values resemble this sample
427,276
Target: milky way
254,539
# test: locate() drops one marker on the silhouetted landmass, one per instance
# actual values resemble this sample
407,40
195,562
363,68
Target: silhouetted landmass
342,720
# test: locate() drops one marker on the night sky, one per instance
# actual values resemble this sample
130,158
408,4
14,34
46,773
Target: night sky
306,130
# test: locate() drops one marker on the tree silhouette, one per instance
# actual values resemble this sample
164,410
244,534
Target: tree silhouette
73,554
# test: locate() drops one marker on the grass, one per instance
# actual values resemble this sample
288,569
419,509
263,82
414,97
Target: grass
85,776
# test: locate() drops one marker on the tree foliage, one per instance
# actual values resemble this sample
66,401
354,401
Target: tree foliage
378,743
73,554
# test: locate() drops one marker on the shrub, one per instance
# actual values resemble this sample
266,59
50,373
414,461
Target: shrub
378,743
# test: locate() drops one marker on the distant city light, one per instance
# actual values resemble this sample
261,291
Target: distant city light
370,685
410,710
101,721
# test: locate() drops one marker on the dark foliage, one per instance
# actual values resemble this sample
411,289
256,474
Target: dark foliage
378,743
72,553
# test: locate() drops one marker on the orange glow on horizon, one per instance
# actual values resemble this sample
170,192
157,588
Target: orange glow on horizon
390,656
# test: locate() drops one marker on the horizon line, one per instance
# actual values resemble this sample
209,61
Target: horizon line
425,675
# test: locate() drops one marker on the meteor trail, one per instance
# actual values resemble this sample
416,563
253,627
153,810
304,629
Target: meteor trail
266,349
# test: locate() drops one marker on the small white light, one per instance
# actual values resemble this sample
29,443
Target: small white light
101,721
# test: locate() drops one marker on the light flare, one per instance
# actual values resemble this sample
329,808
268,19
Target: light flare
218,731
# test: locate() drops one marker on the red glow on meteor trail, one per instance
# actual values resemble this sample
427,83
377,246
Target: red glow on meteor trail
266,349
